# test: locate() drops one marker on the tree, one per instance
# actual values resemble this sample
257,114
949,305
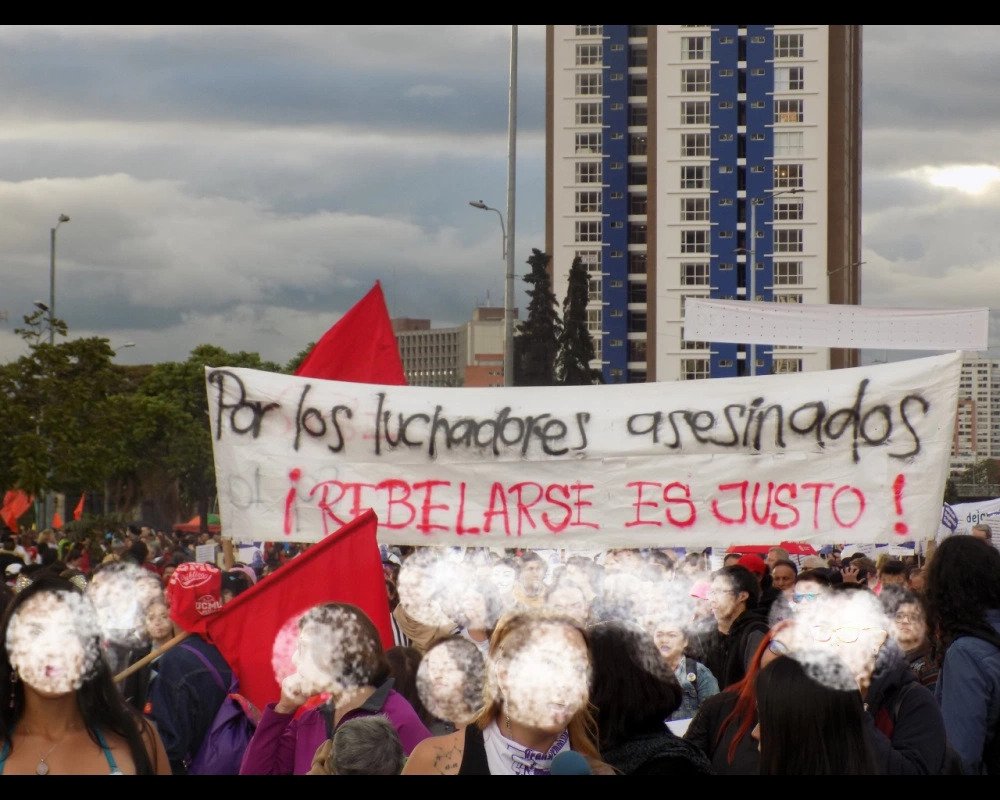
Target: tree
296,361
539,333
576,348
59,418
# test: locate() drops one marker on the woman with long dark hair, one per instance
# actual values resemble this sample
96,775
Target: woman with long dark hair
722,726
811,718
963,610
635,693
60,711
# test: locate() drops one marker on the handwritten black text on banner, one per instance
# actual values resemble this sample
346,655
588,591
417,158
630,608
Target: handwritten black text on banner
824,456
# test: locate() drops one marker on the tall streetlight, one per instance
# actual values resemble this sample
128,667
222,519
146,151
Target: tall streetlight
52,278
508,230
752,266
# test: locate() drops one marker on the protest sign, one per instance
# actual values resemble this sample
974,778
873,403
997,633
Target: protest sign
854,454
834,325
958,518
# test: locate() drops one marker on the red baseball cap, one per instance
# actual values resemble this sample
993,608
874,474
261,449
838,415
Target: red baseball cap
754,563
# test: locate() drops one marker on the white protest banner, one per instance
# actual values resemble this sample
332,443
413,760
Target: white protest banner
960,517
819,325
830,456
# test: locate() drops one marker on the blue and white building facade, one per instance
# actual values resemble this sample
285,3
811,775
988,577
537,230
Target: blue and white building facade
664,144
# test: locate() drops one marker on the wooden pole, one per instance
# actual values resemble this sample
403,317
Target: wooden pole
159,651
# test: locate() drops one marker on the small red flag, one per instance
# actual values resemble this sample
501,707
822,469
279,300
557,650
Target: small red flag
57,521
78,511
15,503
360,346
344,567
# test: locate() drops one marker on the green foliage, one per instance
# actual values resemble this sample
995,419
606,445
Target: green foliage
71,421
539,333
576,348
298,358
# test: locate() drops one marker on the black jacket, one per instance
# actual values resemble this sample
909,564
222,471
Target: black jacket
657,753
704,732
897,702
727,655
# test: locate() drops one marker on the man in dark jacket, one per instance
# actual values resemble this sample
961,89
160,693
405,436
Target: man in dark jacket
191,679
739,628
905,726
184,697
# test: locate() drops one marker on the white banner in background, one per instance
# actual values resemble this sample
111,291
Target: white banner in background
817,325
849,454
960,517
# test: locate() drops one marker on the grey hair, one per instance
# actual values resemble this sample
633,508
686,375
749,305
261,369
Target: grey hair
366,746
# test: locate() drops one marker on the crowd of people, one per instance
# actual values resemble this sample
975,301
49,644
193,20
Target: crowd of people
519,662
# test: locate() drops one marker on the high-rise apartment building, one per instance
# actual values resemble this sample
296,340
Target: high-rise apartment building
665,145
977,426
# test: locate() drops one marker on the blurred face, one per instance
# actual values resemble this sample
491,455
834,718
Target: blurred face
670,641
916,582
158,623
909,626
568,599
807,592
855,632
725,602
783,578
167,572
532,575
773,557
731,559
45,645
311,660
503,578
545,680
894,580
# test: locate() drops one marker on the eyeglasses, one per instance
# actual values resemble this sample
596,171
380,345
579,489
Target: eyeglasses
846,634
805,597
902,616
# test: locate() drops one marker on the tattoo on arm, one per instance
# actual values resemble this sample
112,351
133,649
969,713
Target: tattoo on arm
448,762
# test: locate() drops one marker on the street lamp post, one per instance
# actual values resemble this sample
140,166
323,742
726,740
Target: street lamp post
508,230
752,265
52,277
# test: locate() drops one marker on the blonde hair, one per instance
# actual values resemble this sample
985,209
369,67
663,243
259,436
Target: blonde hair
516,628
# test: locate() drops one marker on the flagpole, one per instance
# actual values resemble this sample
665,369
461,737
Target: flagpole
159,651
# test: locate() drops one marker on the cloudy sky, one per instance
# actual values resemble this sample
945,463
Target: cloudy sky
245,186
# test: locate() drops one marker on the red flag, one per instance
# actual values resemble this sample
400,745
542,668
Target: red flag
15,503
344,567
57,522
360,346
78,511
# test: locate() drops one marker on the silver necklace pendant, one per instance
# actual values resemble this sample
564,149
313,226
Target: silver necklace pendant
42,768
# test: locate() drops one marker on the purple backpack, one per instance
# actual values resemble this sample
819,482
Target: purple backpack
232,727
